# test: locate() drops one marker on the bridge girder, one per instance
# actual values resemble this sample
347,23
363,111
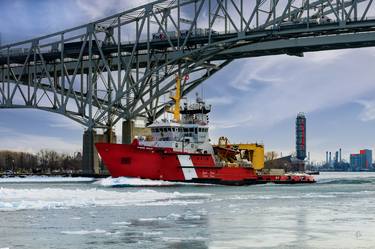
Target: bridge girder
123,65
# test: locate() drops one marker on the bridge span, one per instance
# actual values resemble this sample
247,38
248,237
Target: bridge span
121,67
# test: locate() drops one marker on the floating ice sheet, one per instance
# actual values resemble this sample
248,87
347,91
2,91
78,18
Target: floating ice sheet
13,199
137,182
46,179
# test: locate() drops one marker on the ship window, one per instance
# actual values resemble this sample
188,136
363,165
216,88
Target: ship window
169,129
176,145
200,129
186,129
191,129
125,160
196,130
165,129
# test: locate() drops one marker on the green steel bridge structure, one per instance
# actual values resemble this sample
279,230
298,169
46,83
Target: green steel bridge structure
122,67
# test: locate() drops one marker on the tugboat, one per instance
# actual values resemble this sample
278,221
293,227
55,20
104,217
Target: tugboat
180,150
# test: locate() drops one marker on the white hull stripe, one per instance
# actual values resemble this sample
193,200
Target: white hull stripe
185,161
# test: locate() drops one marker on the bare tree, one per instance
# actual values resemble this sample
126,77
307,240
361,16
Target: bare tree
270,155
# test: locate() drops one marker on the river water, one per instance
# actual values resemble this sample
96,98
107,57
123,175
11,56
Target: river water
337,212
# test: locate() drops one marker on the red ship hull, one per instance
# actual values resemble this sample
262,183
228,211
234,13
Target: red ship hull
132,160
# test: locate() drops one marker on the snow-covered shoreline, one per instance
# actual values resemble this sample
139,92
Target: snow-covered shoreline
46,179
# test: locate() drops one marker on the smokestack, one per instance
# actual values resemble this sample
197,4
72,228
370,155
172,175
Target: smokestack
330,157
326,157
340,155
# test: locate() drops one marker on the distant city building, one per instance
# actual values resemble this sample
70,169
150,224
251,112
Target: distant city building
301,136
355,162
361,161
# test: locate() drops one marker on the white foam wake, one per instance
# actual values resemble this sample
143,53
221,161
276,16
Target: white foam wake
53,198
127,181
136,182
46,179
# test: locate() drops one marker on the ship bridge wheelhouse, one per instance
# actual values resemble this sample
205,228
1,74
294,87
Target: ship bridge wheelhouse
165,132
191,128
191,133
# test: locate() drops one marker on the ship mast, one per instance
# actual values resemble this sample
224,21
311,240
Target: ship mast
177,99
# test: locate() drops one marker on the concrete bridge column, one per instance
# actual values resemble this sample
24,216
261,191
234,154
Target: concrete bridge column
88,151
127,131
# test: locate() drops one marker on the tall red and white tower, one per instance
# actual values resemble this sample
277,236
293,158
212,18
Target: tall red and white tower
301,136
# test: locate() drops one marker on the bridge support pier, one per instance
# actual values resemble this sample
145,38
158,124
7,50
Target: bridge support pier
88,151
127,131
91,163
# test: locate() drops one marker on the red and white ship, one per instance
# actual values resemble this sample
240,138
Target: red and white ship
180,151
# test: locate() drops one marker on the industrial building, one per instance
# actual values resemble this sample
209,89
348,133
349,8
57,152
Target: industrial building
337,159
288,164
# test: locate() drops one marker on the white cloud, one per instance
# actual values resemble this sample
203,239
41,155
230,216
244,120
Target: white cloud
216,101
299,84
368,112
250,72
18,141
327,57
58,121
4,129
95,9
229,123
268,69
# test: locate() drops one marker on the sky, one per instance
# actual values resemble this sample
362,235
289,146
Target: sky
254,99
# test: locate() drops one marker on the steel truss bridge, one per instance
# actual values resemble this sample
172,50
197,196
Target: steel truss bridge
124,66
